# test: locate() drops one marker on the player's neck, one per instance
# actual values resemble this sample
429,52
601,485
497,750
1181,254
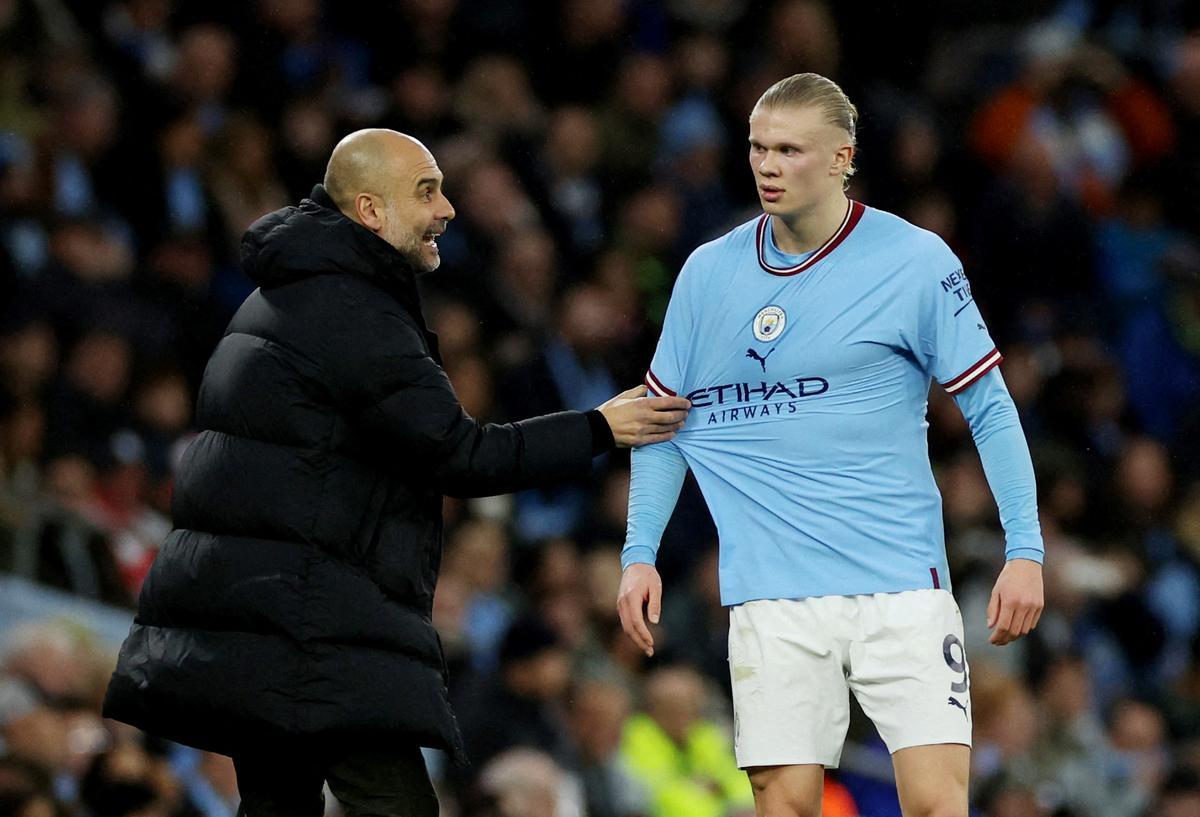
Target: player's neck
798,233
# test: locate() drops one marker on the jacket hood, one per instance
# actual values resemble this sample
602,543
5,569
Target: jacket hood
314,238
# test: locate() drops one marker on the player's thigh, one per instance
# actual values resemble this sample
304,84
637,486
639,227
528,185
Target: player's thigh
787,791
790,699
910,673
932,780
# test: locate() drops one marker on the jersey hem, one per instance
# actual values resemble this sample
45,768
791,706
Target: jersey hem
637,555
727,601
1032,554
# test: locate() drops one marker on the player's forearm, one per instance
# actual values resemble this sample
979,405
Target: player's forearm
996,428
654,483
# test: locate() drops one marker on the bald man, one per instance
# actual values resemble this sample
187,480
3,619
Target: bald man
286,621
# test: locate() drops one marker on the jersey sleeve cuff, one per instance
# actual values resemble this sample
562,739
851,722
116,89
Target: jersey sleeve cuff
637,555
656,386
1032,554
975,371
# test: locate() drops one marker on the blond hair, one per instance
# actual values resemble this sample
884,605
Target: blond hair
816,91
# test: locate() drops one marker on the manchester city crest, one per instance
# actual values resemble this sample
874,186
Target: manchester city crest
769,323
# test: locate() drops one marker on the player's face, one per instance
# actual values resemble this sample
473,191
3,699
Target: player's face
418,215
797,157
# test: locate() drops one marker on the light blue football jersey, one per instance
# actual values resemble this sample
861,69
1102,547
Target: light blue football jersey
809,378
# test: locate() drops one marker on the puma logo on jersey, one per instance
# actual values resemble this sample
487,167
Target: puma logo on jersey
956,702
762,361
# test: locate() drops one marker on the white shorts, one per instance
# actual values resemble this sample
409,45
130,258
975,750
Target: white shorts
793,662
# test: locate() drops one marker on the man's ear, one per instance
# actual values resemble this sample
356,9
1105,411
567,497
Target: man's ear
842,160
368,209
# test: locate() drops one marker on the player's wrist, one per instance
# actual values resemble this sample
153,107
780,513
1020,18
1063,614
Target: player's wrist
636,555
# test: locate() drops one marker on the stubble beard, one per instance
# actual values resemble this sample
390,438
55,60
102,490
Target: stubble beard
412,249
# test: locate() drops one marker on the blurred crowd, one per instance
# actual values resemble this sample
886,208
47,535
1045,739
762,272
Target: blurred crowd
589,146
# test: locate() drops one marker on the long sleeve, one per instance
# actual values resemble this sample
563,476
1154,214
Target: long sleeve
654,484
399,396
996,428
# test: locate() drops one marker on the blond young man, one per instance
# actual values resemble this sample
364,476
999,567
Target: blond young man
806,341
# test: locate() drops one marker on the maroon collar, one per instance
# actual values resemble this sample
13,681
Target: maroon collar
854,213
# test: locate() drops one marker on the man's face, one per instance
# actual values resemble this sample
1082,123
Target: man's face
417,213
797,158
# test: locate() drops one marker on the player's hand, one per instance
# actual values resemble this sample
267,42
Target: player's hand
639,420
1017,601
639,597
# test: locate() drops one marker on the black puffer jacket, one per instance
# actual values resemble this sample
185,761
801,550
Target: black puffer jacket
294,597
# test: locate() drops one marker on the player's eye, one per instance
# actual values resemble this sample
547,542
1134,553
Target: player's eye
788,151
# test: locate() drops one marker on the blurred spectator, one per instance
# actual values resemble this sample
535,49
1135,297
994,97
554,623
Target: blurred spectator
629,124
495,99
520,704
1131,248
648,230
598,713
683,759
1094,118
421,102
526,783
568,174
23,792
1006,724
162,414
242,177
521,294
176,198
588,37
78,150
203,73
295,54
477,555
1183,75
306,138
1180,795
28,359
568,371
208,783
87,279
691,150
138,32
1137,732
1161,353
694,622
87,407
1073,751
1031,242
803,36
22,427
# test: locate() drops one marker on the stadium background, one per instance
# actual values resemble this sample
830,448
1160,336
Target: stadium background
588,146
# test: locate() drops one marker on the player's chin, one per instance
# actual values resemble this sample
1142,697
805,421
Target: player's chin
774,207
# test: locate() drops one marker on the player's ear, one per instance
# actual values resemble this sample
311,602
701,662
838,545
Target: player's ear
841,160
